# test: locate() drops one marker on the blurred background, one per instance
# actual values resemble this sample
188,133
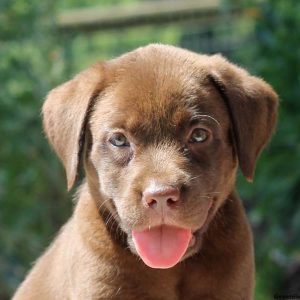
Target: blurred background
43,43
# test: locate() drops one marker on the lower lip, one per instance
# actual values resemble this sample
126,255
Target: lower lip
192,241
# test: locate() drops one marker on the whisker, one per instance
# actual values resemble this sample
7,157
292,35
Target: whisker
110,218
102,204
195,177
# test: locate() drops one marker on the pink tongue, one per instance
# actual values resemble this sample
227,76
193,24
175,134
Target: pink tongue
163,246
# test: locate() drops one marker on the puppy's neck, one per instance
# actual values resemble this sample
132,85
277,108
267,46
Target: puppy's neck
223,230
95,218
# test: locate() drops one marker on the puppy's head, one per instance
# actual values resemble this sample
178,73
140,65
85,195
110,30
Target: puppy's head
165,130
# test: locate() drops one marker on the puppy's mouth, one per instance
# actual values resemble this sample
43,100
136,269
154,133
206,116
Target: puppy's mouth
163,246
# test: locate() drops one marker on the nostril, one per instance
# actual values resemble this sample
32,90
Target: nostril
171,202
151,202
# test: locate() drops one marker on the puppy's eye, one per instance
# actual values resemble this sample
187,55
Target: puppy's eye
198,135
119,140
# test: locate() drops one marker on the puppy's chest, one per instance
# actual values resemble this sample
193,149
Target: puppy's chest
131,283
160,286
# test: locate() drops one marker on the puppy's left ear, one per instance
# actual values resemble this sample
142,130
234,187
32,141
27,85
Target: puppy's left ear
252,106
65,115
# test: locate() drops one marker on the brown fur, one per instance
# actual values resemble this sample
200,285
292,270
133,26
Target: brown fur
151,95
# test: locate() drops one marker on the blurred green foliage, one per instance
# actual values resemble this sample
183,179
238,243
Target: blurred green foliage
275,195
34,57
32,190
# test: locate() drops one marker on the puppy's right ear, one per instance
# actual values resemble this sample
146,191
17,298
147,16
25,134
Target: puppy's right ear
66,113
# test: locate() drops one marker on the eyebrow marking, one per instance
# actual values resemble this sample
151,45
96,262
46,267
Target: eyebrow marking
198,116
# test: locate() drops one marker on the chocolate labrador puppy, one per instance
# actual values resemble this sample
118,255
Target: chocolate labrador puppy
160,132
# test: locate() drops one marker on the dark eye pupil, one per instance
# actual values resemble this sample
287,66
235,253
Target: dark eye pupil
119,140
198,135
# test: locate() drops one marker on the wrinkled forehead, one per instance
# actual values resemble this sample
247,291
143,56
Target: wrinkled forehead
157,100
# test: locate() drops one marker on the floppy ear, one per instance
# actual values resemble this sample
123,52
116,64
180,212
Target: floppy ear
252,107
65,115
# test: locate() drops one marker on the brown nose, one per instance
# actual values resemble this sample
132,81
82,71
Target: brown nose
161,197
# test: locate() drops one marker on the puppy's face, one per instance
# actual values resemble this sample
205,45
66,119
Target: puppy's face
164,149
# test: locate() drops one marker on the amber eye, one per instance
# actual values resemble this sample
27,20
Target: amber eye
119,140
198,135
